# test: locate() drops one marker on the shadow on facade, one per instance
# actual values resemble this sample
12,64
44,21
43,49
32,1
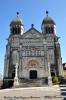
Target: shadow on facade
8,82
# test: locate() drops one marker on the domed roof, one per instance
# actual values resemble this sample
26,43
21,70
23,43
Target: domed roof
48,20
16,20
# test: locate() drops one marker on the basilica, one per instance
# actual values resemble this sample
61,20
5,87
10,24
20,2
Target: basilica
32,57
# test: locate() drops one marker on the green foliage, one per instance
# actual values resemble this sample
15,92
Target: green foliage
55,80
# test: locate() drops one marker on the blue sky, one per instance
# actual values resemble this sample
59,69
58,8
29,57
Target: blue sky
32,11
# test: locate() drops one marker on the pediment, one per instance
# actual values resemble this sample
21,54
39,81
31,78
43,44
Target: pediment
32,33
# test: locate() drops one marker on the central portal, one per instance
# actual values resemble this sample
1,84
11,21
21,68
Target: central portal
33,74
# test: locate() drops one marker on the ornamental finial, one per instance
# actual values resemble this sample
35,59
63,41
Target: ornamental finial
17,13
32,25
47,13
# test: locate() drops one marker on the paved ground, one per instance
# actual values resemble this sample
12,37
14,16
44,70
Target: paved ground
34,93
63,91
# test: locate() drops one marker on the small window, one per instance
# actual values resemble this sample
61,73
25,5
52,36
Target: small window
49,29
19,30
27,52
15,30
38,52
11,30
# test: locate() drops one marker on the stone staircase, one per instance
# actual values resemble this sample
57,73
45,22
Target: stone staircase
31,83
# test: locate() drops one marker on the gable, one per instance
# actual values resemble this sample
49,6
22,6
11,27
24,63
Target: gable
32,33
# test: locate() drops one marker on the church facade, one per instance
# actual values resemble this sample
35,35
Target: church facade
36,54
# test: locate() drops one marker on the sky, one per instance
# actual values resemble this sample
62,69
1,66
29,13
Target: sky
32,12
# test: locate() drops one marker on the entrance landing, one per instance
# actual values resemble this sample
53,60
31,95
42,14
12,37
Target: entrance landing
31,93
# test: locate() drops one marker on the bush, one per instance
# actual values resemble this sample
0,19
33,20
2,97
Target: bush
55,80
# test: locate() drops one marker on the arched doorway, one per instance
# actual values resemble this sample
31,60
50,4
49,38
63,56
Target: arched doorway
33,74
52,74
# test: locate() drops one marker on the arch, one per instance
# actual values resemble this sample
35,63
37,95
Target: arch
33,62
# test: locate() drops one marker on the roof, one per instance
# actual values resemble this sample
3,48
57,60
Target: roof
32,33
48,20
16,20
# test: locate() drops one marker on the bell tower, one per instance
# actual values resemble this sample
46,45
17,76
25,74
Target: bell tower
16,26
48,25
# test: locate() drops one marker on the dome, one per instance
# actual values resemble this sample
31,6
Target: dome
16,20
48,20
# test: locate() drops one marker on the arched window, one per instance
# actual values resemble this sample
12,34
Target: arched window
16,31
49,30
19,30
13,31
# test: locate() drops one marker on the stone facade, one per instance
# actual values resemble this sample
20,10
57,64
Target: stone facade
32,50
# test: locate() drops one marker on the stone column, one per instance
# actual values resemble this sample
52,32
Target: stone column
49,75
60,68
45,57
20,61
16,83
